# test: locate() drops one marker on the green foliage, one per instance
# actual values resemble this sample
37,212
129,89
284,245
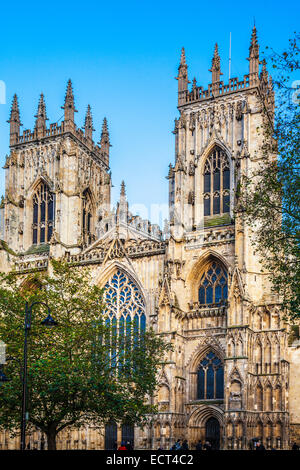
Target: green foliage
270,196
80,371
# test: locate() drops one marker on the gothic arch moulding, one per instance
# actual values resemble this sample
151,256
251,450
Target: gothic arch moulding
201,414
215,141
41,179
193,277
111,268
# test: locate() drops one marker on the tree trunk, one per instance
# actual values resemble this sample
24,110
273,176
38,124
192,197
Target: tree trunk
51,439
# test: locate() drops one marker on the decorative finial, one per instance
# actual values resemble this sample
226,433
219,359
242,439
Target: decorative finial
14,112
253,57
69,105
122,192
182,78
88,123
104,141
216,66
14,121
264,72
41,116
182,57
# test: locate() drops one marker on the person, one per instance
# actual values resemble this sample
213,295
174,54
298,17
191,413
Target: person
115,445
129,446
207,445
259,446
122,446
295,446
185,445
199,445
176,446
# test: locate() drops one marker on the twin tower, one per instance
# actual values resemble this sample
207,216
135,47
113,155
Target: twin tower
232,375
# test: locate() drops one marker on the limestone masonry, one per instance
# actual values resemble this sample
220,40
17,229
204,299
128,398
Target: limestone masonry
234,372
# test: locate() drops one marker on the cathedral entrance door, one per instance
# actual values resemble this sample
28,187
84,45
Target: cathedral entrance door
111,436
128,433
212,433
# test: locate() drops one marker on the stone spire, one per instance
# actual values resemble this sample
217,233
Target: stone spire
182,78
88,124
14,121
41,117
253,58
104,141
69,105
216,66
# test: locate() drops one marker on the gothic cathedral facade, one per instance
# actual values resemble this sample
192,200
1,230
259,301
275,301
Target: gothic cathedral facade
232,376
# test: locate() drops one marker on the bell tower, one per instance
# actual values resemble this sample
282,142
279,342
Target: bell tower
57,181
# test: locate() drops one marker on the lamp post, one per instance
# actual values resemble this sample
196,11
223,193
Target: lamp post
3,377
49,322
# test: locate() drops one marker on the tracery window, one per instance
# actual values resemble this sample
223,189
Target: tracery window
210,377
125,307
43,215
216,183
213,287
87,218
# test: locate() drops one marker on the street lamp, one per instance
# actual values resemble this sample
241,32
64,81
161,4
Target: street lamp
48,322
3,377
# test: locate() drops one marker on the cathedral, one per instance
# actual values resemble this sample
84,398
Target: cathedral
233,375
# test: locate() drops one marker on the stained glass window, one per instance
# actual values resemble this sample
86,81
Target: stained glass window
216,183
210,377
43,215
213,285
125,309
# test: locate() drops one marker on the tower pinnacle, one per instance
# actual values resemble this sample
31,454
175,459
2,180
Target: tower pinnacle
14,121
123,192
41,116
104,141
253,57
216,66
182,77
88,123
69,105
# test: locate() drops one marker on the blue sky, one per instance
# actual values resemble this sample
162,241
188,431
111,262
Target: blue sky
122,58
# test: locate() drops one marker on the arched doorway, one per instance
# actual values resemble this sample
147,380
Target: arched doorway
111,436
212,433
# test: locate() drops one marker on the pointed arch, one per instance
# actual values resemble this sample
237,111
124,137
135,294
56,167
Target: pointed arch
123,298
202,265
112,267
41,179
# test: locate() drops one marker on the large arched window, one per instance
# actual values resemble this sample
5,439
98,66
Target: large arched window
43,215
216,183
210,377
213,285
125,309
87,218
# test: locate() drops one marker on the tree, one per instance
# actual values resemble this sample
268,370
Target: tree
81,371
270,198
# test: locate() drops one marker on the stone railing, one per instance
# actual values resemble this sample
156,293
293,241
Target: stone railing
31,263
219,88
210,236
55,130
